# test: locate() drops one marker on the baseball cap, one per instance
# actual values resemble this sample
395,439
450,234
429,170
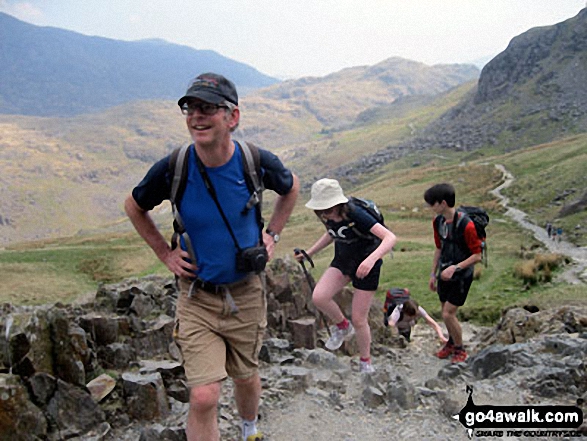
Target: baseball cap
326,193
211,88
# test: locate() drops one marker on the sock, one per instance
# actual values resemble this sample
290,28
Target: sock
365,360
450,341
343,325
249,428
459,348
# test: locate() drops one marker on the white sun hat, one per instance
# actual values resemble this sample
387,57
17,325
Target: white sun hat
326,193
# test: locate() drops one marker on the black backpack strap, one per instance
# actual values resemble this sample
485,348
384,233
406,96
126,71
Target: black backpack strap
253,176
178,168
179,171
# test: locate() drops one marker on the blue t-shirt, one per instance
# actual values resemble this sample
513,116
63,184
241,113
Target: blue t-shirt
214,248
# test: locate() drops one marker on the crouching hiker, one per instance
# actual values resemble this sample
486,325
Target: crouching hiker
458,249
404,316
218,252
360,242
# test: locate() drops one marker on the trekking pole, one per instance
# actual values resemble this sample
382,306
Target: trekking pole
297,252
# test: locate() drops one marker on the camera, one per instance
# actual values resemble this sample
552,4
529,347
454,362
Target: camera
251,259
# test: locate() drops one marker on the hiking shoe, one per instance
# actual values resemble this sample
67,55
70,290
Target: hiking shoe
366,367
459,356
446,351
337,336
256,437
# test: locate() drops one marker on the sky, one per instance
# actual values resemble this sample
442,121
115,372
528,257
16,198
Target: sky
297,38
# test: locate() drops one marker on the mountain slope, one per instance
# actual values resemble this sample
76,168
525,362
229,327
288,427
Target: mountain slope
62,175
53,72
337,99
533,92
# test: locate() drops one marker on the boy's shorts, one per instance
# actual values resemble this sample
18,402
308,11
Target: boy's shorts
216,345
454,291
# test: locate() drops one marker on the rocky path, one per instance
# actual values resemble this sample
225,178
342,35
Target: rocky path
352,414
574,274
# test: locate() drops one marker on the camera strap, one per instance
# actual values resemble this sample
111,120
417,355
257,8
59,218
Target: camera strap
212,192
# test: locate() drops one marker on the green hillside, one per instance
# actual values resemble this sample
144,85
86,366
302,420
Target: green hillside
67,268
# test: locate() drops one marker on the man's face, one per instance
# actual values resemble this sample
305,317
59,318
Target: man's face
209,123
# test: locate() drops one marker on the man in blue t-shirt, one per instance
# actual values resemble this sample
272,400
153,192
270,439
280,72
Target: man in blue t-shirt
220,313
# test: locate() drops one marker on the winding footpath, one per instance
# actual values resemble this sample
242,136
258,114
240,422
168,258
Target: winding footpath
577,273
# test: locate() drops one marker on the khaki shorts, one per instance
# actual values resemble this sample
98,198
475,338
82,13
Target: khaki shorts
215,344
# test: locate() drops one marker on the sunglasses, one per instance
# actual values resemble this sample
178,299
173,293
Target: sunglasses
204,108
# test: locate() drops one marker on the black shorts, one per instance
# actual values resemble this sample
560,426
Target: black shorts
454,291
349,268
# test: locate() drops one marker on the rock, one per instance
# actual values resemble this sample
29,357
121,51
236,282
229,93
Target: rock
72,411
402,393
42,388
145,396
101,386
303,332
157,432
372,397
20,420
491,361
116,355
103,329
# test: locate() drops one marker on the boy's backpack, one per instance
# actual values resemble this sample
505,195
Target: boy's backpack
480,219
179,170
394,297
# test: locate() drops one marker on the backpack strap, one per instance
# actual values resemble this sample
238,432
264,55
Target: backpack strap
253,176
252,167
178,165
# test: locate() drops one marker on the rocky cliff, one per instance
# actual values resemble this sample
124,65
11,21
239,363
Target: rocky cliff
531,93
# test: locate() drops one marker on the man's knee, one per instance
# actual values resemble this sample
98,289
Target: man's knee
246,382
204,398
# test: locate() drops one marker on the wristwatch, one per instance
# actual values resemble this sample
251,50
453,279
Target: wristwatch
273,234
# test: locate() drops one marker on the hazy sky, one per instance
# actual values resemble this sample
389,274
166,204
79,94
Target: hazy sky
294,38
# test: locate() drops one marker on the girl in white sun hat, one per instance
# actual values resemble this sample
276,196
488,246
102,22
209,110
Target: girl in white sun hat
360,242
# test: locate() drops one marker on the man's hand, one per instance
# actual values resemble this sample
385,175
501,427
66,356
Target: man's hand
269,244
175,261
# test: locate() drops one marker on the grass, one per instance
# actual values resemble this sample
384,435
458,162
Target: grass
64,269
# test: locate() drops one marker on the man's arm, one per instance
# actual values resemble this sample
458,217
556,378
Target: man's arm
174,260
284,205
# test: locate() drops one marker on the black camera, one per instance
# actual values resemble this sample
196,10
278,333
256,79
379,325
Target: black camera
251,259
